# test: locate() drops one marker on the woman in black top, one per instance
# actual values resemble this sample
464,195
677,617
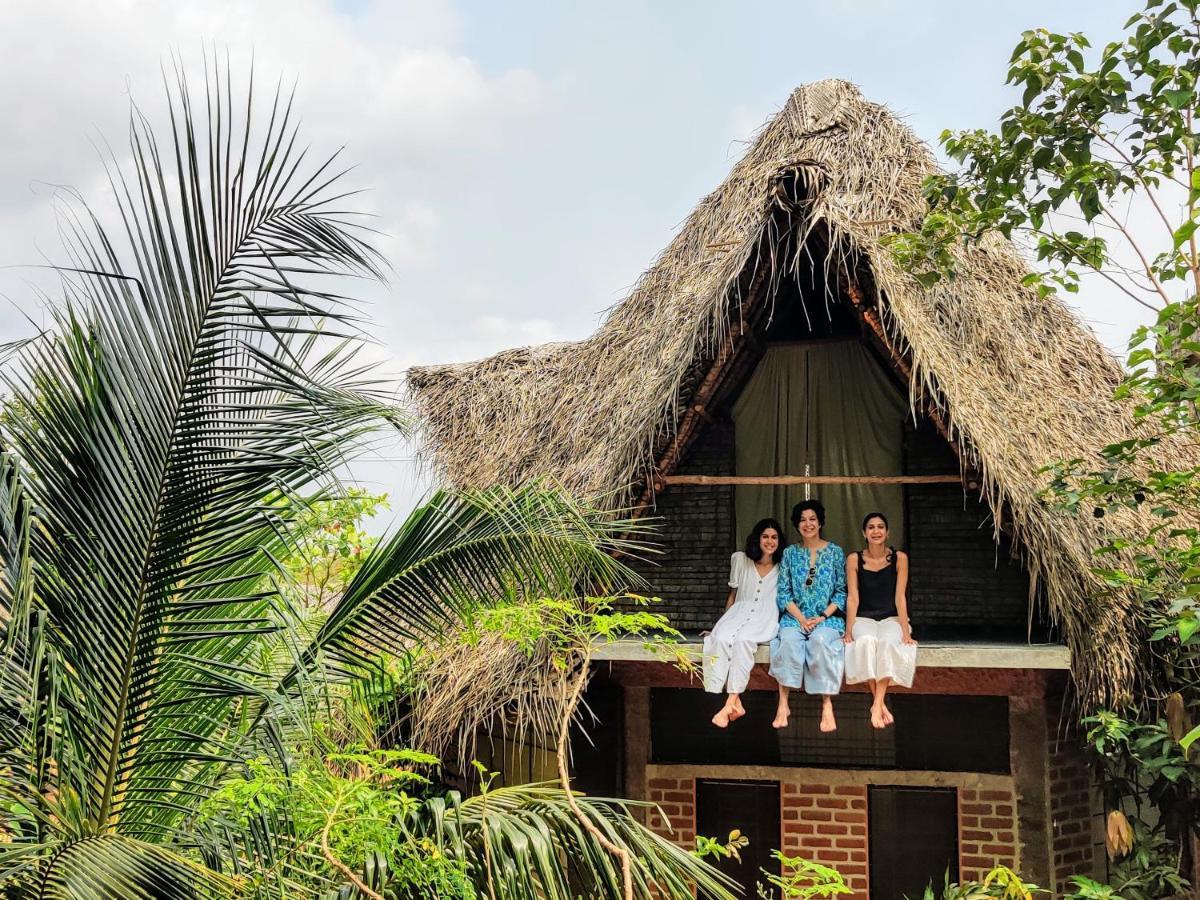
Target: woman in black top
880,649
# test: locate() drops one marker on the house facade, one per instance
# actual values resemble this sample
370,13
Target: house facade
775,352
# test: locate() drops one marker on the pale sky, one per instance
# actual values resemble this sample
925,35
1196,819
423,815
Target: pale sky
527,160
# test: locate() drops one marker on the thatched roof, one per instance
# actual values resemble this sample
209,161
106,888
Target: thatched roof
1022,382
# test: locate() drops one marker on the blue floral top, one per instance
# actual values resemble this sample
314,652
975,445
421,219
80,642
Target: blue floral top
828,585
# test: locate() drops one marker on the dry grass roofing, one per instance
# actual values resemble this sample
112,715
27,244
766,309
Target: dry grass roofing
1018,381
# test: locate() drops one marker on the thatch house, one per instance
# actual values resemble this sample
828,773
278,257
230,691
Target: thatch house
776,348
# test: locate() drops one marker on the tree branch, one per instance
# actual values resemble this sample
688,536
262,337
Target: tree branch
1138,250
570,704
337,863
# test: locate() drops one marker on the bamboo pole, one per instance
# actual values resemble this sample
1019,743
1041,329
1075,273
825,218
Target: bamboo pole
671,480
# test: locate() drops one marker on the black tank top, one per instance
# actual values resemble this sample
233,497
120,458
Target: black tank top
877,590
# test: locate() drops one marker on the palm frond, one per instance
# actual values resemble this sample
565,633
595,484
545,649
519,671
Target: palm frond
108,867
537,848
197,368
471,547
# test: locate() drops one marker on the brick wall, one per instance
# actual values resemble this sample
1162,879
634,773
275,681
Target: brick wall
695,537
828,824
987,835
676,800
956,569
1075,842
824,815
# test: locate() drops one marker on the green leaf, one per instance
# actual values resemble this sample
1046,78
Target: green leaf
1179,99
1190,738
1188,627
1184,233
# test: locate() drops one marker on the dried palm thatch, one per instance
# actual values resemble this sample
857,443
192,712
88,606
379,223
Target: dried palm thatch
1020,380
487,685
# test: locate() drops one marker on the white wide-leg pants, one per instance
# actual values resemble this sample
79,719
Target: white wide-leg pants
878,651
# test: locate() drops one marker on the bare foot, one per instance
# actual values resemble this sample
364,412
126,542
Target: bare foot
736,713
721,719
888,719
877,717
828,722
781,717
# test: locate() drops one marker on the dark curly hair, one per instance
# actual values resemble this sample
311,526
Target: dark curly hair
815,505
754,548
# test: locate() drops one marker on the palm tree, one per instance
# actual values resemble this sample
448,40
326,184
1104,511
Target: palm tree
199,382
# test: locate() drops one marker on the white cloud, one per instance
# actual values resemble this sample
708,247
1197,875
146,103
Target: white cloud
387,80
409,242
500,329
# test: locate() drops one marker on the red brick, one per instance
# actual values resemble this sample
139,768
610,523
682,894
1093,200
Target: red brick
832,802
858,803
1004,809
976,862
852,818
817,842
998,849
798,801
791,787
973,834
818,789
835,856
969,821
996,822
791,815
1006,836
663,783
976,809
852,869
968,794
995,795
831,828
852,843
797,828
969,848
849,790
819,815
679,796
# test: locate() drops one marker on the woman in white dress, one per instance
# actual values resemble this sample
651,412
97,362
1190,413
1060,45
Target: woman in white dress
751,618
880,649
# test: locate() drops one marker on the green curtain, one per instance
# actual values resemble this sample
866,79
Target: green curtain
832,407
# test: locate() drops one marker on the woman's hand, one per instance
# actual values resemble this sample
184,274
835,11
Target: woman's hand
848,637
705,633
809,624
908,639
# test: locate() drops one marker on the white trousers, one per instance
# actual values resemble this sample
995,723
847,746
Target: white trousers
727,665
878,651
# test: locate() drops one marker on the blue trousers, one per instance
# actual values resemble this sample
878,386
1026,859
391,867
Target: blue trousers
812,661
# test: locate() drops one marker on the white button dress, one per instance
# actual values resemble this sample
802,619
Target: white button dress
752,620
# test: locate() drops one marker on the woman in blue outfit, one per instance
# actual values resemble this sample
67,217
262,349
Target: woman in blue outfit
811,595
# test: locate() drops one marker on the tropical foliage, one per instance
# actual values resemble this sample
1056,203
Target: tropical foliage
167,692
1096,171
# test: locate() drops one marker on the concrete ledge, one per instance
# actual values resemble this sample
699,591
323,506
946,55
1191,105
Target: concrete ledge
931,654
